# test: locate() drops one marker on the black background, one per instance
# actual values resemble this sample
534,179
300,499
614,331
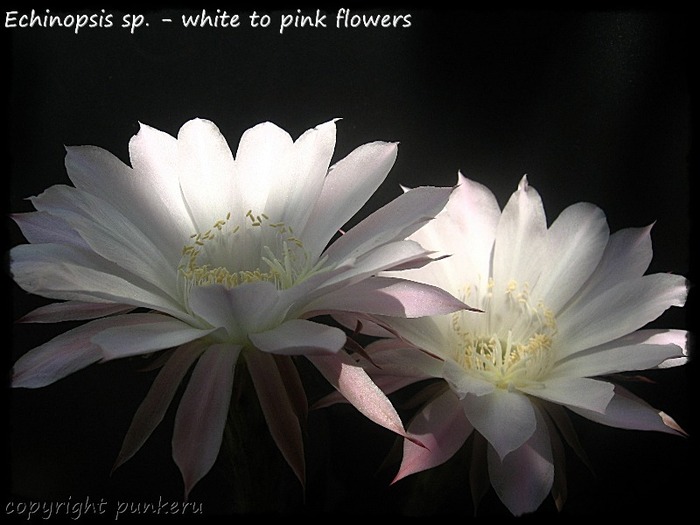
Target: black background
593,105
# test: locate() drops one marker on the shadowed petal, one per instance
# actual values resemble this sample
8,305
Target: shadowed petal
41,227
626,410
442,427
73,311
65,353
506,419
524,477
280,410
151,411
300,337
392,297
201,416
145,333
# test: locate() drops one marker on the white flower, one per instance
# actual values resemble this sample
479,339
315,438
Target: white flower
227,258
563,306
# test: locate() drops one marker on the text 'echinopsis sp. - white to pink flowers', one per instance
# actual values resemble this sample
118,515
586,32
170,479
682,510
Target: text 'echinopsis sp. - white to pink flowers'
563,307
224,259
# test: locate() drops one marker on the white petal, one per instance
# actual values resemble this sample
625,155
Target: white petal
347,187
524,477
154,159
298,191
506,419
627,256
137,195
111,235
575,244
573,391
262,160
619,310
299,337
377,259
394,221
206,173
61,272
145,333
201,416
609,360
520,239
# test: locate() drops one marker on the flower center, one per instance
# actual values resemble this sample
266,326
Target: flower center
255,249
511,343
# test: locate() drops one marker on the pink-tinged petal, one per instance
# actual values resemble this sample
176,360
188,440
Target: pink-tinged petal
591,394
145,333
64,354
201,415
347,187
465,229
523,478
391,297
73,311
520,239
620,310
396,220
41,227
506,419
628,411
358,388
442,427
279,409
392,364
151,411
300,337
575,243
